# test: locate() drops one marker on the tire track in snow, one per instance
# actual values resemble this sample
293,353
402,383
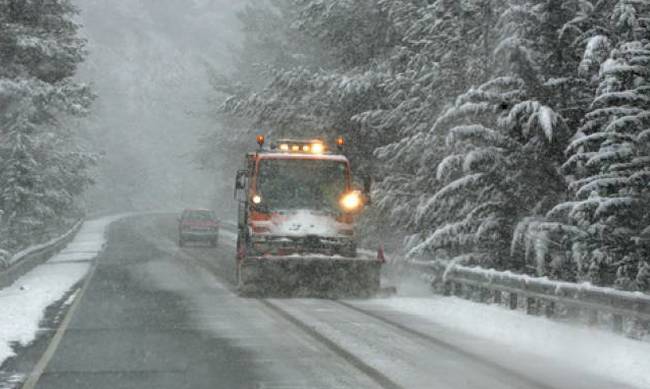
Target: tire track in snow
448,346
381,379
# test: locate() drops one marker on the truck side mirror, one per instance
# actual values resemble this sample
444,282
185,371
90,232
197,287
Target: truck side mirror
240,182
367,187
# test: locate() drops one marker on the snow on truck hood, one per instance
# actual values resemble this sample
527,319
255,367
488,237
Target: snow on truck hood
303,223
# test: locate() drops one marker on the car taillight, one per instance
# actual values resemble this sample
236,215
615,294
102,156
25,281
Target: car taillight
260,216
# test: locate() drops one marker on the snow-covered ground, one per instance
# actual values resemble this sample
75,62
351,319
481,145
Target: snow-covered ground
590,349
23,304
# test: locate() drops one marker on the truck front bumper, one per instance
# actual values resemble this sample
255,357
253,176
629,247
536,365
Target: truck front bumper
310,244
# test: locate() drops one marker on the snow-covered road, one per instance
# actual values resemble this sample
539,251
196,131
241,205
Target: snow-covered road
24,302
156,316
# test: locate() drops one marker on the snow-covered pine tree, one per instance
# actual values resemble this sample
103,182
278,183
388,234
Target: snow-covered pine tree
527,48
444,48
499,169
609,164
534,45
537,43
41,168
598,227
350,33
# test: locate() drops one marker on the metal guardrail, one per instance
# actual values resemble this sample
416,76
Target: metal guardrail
25,260
539,295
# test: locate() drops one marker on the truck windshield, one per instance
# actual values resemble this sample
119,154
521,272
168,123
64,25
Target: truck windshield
301,183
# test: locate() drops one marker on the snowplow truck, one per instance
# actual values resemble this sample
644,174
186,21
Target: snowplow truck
296,224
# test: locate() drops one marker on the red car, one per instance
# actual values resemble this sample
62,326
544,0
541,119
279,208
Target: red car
198,225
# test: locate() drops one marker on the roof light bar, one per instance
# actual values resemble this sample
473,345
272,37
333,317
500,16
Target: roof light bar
314,146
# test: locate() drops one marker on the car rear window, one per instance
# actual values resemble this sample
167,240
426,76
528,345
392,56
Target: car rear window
200,215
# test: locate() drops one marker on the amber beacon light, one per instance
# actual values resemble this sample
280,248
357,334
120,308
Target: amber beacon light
260,140
340,142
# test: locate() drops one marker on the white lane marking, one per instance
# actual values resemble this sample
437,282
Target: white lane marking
40,367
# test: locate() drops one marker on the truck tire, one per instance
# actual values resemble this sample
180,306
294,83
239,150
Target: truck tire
237,259
349,251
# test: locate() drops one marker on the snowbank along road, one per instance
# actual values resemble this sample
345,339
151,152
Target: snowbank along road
153,315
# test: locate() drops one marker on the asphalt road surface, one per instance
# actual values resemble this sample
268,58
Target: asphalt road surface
154,315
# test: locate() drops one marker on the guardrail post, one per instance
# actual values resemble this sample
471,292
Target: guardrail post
468,292
483,294
617,323
592,320
573,312
531,306
513,300
447,288
458,289
639,330
549,309
474,293
496,296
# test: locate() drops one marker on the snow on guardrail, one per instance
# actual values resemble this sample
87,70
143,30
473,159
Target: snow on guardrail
52,243
624,311
12,267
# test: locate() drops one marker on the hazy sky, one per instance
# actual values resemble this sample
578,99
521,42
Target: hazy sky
147,66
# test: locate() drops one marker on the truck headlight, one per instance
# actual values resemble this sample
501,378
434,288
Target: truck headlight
317,148
351,201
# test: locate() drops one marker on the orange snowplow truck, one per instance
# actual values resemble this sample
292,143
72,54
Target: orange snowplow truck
296,223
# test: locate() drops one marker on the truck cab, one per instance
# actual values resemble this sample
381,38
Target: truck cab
296,197
296,229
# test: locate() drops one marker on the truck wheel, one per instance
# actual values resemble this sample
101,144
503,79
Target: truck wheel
237,259
349,251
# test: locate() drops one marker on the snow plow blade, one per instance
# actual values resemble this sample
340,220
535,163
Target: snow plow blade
309,276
